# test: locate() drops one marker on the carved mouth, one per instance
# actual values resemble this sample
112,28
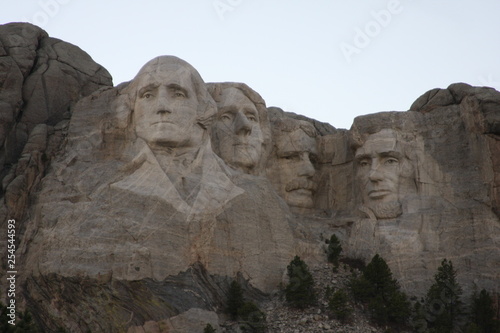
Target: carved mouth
302,191
243,144
377,194
302,185
162,122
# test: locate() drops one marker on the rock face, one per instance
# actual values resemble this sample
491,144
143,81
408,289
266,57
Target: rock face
426,185
41,78
161,191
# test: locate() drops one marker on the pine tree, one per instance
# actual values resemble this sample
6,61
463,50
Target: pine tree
209,329
339,305
334,250
376,287
234,300
252,319
299,292
442,301
482,314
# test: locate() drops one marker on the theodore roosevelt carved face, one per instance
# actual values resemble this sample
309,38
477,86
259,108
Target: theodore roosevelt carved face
291,169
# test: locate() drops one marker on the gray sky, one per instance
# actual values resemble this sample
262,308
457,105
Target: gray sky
331,60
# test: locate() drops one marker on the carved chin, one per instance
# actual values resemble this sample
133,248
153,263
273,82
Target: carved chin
246,159
300,198
387,210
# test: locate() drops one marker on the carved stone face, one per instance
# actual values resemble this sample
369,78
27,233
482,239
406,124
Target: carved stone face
238,132
383,173
165,110
292,170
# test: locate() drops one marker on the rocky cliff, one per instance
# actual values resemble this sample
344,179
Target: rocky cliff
137,205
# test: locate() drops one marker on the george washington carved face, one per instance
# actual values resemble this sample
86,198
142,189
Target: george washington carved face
167,103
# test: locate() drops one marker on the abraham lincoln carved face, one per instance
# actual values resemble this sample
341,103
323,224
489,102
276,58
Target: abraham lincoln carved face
384,173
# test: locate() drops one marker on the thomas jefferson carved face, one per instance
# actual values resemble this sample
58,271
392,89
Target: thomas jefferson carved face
384,173
237,128
291,170
166,106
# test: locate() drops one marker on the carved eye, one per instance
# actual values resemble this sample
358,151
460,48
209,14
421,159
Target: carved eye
391,161
251,117
147,95
226,116
179,94
364,163
291,157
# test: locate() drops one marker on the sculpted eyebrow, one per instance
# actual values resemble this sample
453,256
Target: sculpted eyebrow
252,111
227,109
147,88
391,153
174,86
362,157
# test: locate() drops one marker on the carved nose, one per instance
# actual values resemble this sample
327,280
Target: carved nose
163,111
375,175
306,168
163,105
241,124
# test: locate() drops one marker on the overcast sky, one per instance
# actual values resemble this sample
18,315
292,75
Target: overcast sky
331,60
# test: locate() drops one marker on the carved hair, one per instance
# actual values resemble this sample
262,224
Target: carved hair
290,125
216,89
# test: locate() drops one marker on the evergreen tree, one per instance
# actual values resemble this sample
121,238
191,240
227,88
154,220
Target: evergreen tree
483,314
418,321
339,305
442,301
209,329
376,287
252,318
334,250
234,300
299,292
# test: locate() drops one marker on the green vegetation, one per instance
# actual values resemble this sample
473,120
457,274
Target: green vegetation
209,329
339,305
250,317
482,316
299,292
234,300
334,250
376,287
442,302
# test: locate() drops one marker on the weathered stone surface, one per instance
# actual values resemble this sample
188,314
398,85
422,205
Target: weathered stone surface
444,206
150,207
192,321
41,78
150,204
290,166
241,133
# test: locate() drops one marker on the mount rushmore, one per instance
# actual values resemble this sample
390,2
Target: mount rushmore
142,201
